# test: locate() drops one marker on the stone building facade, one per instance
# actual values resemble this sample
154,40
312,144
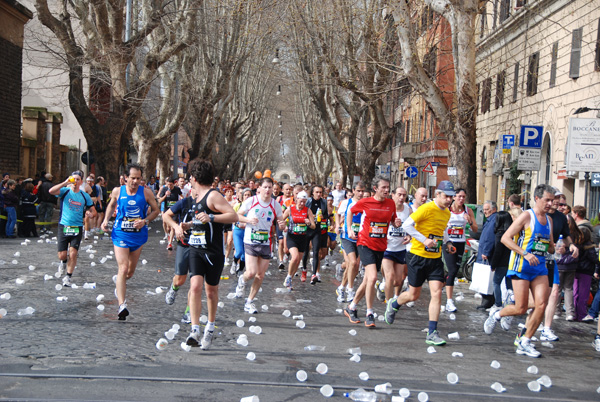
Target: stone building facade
538,61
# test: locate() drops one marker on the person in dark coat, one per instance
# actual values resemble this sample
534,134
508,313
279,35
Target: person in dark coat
487,241
500,257
28,210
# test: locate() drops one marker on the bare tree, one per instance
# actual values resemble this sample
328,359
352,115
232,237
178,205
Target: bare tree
456,120
93,33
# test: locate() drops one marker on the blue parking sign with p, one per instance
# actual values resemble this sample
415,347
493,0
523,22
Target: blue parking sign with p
531,137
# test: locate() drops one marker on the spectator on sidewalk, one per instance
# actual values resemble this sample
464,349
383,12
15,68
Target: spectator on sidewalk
47,202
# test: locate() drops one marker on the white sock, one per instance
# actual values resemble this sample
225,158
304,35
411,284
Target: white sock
369,311
248,300
497,315
352,306
210,326
195,328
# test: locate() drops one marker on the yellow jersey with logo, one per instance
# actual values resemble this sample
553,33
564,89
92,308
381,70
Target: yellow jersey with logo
431,221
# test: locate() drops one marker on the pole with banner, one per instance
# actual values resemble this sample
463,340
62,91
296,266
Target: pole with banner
530,150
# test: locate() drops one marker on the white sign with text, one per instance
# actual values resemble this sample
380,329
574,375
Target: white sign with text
583,146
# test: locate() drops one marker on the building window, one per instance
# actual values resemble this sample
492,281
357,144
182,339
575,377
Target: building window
504,10
554,56
486,95
521,3
597,63
532,73
500,79
483,16
495,15
575,53
407,131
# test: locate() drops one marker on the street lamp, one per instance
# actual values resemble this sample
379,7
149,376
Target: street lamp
583,110
276,58
278,90
279,115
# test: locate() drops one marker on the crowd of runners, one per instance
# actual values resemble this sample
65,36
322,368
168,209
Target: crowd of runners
391,247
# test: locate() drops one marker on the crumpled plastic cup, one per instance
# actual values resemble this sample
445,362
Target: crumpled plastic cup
301,375
355,358
495,364
431,349
404,392
364,376
498,387
251,356
252,398
286,313
532,369
300,324
327,391
322,368
384,388
545,381
452,378
534,386
239,323
162,344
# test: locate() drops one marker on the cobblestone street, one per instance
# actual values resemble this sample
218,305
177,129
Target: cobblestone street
70,350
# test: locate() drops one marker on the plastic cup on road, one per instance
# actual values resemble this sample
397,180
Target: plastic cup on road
301,375
252,319
352,332
158,290
364,376
251,356
286,313
17,254
243,341
423,397
431,349
170,335
161,344
457,354
15,262
100,307
327,391
298,317
19,281
354,351
252,398
220,304
397,399
452,378
534,386
5,296
495,364
532,369
99,298
454,336
32,267
58,287
384,388
203,319
176,327
404,392
322,368
240,323
498,387
452,317
2,312
185,346
300,324
257,330
355,358
545,381
144,262
264,307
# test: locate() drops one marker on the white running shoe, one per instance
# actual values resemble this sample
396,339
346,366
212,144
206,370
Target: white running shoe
239,289
489,324
62,268
226,262
67,281
548,335
206,340
350,295
450,307
250,308
527,349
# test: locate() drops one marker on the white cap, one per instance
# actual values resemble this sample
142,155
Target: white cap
302,195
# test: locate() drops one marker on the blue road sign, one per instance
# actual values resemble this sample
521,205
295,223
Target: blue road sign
412,172
508,141
531,137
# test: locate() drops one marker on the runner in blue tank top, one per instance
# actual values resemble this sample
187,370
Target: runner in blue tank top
527,268
130,230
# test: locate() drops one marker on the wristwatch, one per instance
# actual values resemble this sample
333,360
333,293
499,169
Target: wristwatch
147,222
525,253
211,217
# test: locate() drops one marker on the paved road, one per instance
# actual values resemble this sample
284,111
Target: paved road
72,351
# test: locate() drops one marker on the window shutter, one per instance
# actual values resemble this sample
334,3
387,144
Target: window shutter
553,64
516,82
575,53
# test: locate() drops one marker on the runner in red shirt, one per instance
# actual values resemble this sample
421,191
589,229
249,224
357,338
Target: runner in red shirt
378,212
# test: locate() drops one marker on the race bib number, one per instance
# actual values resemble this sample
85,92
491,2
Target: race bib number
355,228
540,246
437,245
127,224
198,238
171,203
71,230
396,232
298,228
323,227
259,236
456,232
378,230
